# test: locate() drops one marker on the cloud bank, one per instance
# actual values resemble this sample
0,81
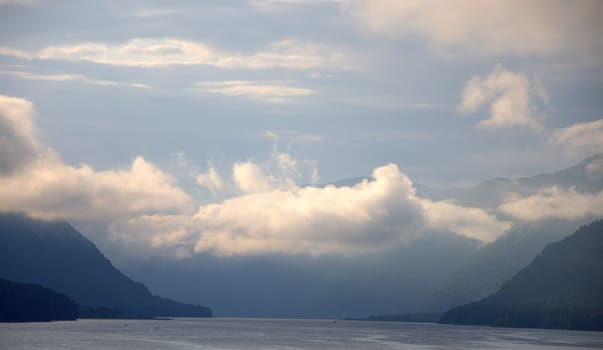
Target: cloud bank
554,202
587,136
487,27
267,212
366,217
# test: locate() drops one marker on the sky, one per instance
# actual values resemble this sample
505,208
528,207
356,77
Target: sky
183,127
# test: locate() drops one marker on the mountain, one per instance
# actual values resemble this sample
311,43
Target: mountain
55,255
329,286
33,303
561,288
488,268
484,272
586,177
426,276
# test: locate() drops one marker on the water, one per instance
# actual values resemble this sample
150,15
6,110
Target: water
225,333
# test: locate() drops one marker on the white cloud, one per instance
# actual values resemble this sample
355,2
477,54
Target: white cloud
153,13
249,178
469,222
366,217
312,220
9,51
283,163
486,27
290,138
170,234
512,100
43,186
554,202
143,208
211,180
273,92
587,136
151,52
71,78
19,144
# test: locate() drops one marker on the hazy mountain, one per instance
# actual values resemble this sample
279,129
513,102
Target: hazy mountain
33,303
493,264
431,274
310,287
586,176
561,288
55,255
487,269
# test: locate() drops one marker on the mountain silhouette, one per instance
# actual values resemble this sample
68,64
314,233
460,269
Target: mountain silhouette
55,255
561,288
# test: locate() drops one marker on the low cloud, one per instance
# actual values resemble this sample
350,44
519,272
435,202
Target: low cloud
554,202
512,100
165,52
142,207
271,91
581,137
474,223
470,27
33,178
366,217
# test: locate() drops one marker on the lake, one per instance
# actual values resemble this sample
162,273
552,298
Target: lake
232,333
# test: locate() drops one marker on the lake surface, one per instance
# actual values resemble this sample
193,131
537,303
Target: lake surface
231,333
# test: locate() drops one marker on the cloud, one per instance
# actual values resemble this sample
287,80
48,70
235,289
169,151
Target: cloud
156,12
312,220
587,136
72,78
9,51
512,100
469,222
33,179
19,145
477,27
142,207
554,202
250,178
170,234
290,138
273,92
366,217
211,180
151,52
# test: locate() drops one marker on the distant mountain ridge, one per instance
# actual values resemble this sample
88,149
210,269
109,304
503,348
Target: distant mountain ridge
488,268
428,276
586,176
561,288
55,255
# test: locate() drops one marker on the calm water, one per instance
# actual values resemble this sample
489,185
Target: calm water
281,334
